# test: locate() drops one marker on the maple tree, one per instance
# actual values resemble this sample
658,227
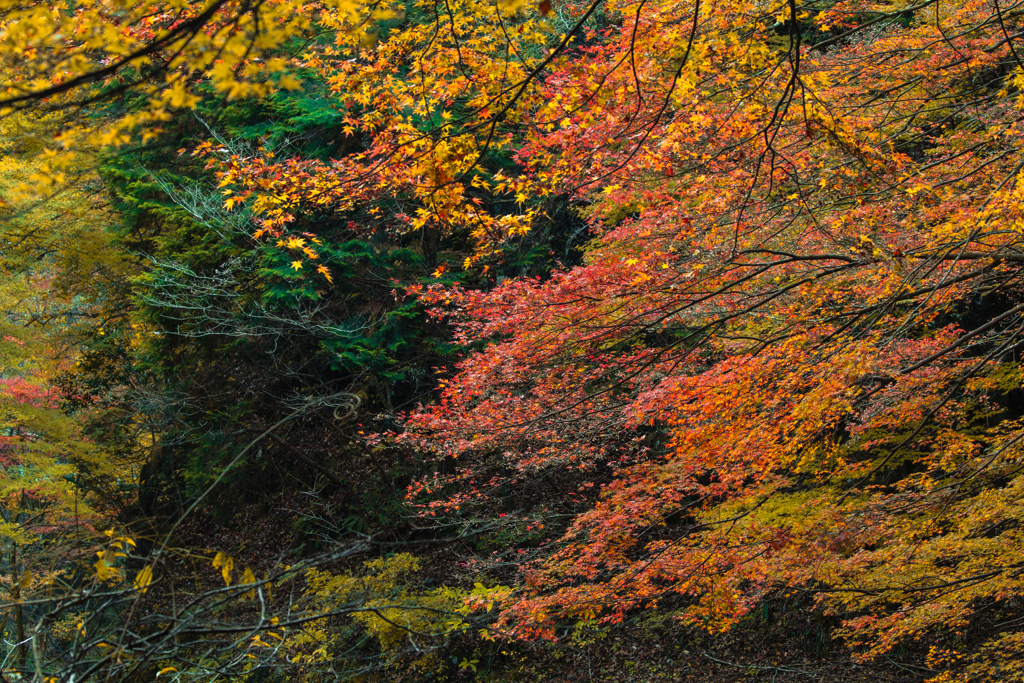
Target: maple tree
795,338
63,51
56,485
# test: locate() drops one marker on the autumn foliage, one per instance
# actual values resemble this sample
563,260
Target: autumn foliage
733,289
793,338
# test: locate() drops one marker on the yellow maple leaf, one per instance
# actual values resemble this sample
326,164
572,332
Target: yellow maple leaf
289,82
248,578
226,564
297,265
223,75
144,578
102,569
